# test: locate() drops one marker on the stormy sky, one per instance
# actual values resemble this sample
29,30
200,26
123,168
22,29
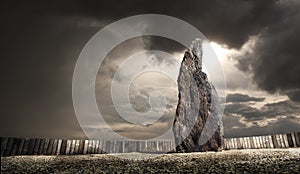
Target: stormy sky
257,43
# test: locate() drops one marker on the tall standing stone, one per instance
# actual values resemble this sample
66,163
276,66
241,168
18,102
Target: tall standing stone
197,126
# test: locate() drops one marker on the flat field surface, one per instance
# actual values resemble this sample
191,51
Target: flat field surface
231,161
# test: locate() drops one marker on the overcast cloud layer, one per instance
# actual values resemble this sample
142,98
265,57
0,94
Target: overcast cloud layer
41,41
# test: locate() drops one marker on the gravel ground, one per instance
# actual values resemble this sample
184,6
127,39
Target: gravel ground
232,161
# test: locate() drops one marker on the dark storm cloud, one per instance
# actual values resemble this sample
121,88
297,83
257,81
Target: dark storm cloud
229,22
237,97
294,94
270,110
235,129
274,59
38,55
163,44
273,118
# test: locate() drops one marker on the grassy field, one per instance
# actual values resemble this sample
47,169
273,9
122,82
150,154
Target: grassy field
232,161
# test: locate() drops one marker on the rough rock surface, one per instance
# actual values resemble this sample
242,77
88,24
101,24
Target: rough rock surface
197,107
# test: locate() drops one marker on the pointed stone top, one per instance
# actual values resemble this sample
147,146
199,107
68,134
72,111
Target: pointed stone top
196,51
196,48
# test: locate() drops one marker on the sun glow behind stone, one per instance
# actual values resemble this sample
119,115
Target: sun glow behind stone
221,51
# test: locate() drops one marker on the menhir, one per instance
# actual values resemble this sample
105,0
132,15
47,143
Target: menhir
197,126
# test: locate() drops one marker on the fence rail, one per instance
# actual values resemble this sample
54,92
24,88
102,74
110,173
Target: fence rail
11,146
269,141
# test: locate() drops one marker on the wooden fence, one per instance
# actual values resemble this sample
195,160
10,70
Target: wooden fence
268,141
34,146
